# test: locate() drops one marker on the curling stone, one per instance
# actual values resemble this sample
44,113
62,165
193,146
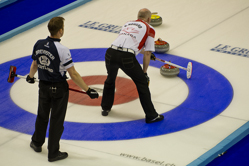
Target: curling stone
161,46
169,71
156,20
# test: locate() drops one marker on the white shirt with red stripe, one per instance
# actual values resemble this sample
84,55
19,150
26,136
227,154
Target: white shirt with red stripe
136,35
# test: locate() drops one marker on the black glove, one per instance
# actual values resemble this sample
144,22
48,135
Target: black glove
30,80
92,93
148,78
152,57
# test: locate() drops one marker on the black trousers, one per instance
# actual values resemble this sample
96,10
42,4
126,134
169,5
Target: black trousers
53,99
115,59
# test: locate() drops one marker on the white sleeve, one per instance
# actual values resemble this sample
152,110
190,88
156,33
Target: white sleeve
66,60
65,56
149,44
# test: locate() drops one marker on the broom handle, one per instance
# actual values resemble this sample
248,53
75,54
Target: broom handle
75,90
172,64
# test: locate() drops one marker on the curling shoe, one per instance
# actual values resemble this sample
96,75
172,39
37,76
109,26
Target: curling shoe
35,148
157,119
60,156
105,112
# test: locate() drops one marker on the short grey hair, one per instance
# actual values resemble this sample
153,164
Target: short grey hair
143,13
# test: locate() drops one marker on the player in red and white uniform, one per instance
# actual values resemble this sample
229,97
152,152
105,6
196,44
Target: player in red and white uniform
135,37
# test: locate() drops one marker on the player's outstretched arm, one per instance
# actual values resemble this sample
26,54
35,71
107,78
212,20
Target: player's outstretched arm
75,76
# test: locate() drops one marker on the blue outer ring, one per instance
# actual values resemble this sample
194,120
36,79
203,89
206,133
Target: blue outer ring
209,94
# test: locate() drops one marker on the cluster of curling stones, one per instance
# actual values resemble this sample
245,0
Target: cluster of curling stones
162,47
